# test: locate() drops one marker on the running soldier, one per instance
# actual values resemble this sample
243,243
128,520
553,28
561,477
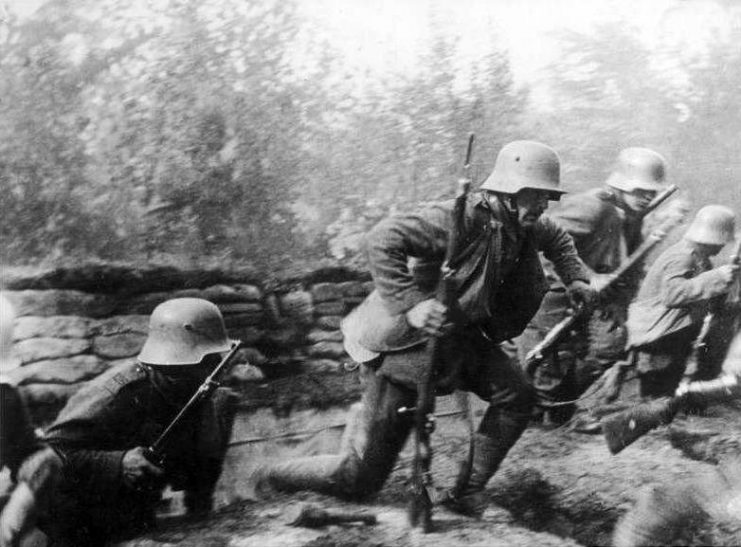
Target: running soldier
680,289
606,224
499,283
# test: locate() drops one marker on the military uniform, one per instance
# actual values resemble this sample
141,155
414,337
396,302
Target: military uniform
606,224
499,283
127,407
604,235
667,316
33,467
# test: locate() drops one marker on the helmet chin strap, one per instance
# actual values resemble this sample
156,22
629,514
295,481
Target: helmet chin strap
508,201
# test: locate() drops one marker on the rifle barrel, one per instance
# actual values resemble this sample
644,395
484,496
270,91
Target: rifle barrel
661,198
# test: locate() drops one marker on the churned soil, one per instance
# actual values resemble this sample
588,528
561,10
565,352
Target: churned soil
556,488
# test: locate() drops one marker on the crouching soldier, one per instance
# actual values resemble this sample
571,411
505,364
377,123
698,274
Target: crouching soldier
499,283
33,467
662,512
679,290
111,482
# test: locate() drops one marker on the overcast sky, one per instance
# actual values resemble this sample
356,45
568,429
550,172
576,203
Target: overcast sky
382,35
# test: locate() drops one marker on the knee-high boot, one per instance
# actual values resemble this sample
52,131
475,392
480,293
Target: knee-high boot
489,450
317,473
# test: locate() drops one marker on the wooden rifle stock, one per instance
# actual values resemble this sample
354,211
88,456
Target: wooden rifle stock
420,506
156,449
628,426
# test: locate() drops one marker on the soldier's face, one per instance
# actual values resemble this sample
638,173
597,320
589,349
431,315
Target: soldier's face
530,205
638,200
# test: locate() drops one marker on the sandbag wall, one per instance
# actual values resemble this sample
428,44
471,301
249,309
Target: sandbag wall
75,324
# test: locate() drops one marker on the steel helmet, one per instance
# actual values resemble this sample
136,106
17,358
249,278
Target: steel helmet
182,331
8,361
712,225
526,164
638,169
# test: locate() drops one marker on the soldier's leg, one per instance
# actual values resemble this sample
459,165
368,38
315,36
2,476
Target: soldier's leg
710,356
606,338
511,401
368,455
554,378
661,365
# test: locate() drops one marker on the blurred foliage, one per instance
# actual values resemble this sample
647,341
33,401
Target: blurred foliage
610,91
205,131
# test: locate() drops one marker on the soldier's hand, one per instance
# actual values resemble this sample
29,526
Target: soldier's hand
17,515
429,316
599,282
727,273
581,294
137,469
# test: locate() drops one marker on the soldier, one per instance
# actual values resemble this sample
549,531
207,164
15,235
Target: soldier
679,290
500,284
33,467
661,512
606,224
111,482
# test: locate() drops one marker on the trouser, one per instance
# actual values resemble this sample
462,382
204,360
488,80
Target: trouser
378,432
661,365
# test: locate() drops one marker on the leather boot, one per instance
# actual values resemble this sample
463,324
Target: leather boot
335,475
468,496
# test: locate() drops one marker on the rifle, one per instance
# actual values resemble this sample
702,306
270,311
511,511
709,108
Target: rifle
659,199
155,451
537,355
626,427
420,506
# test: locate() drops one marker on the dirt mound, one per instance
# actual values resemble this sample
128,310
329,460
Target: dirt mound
556,488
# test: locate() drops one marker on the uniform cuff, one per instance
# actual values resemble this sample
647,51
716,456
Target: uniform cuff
403,302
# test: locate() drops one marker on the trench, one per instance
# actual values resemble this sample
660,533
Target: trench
262,435
538,505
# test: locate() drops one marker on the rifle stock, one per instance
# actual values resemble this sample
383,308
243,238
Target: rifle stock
625,428
420,505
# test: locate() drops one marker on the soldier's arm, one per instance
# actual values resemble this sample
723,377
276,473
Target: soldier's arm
681,289
93,422
99,470
579,215
391,243
558,247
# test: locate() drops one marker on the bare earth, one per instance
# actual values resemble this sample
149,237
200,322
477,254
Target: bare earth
556,488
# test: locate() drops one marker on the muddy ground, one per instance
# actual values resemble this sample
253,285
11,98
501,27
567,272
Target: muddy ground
556,488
